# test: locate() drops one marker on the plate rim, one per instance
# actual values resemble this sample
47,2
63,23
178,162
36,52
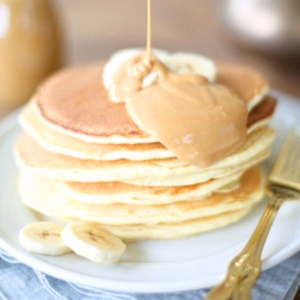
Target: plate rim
37,262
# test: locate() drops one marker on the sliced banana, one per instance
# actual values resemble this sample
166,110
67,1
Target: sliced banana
118,58
43,238
180,62
184,62
93,242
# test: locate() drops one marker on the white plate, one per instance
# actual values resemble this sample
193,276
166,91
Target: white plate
153,266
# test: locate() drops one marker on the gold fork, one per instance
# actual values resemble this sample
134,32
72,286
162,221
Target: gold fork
284,184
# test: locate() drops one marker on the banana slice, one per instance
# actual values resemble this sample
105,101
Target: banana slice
184,62
93,242
43,238
180,62
118,58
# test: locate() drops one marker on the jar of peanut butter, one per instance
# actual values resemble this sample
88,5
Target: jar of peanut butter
29,48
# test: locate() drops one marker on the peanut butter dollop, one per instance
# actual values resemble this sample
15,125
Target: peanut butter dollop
201,123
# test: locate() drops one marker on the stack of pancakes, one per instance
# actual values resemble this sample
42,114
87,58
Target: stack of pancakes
83,158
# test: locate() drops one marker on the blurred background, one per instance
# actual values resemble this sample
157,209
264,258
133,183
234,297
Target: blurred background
39,36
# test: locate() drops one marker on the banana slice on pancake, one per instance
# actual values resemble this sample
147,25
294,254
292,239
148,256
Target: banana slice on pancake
43,238
184,62
180,62
93,242
118,58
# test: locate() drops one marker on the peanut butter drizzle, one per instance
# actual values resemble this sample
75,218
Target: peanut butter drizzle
201,123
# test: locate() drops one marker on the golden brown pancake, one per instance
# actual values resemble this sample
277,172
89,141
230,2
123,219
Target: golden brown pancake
49,201
106,193
58,166
264,110
76,101
58,142
247,83
178,230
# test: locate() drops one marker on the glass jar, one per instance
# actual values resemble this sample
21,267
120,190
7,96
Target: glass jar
29,48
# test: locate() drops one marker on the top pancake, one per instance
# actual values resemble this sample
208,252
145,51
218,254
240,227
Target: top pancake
76,103
247,83
58,142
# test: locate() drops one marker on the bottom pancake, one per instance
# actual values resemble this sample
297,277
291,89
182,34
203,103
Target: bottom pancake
165,231
41,195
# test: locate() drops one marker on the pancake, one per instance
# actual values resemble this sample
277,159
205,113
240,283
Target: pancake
200,177
57,142
76,103
106,193
58,166
247,83
139,232
40,194
262,113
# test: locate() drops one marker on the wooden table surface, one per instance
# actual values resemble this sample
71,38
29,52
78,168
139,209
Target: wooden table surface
95,29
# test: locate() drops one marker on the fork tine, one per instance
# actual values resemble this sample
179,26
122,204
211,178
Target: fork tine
294,153
286,170
298,168
281,158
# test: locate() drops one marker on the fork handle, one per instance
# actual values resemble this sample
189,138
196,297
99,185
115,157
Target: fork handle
245,268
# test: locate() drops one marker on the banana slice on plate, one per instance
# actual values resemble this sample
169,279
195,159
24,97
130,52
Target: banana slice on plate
93,242
184,62
43,238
